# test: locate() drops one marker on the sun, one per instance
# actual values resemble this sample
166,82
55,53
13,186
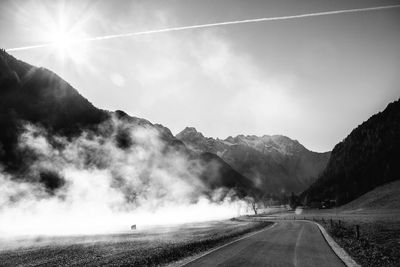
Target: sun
63,31
62,41
60,30
67,44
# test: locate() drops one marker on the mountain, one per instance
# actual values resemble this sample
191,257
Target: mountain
276,164
38,96
226,177
368,157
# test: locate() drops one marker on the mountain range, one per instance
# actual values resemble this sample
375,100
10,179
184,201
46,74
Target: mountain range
249,165
268,164
276,164
38,96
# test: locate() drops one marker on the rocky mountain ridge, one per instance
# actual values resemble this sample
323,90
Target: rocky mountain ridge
277,164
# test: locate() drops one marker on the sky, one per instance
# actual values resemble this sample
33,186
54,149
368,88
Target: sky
313,79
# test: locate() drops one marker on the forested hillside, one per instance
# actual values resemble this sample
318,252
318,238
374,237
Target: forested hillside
368,157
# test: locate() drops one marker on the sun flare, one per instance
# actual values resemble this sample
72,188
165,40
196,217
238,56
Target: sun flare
62,41
66,44
59,27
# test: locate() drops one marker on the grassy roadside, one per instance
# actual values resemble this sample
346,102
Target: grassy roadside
141,249
377,245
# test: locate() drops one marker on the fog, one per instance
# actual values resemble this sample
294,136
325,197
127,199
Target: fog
104,181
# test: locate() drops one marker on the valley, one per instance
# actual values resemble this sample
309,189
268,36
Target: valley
126,180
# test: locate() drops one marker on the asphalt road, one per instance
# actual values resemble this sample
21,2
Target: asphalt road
288,243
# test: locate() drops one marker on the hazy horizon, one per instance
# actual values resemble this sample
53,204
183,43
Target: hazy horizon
311,79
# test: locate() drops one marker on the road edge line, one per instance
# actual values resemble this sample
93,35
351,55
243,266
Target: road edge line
339,251
227,244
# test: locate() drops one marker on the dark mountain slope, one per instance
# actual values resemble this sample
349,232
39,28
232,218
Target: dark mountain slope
368,157
38,96
276,164
219,174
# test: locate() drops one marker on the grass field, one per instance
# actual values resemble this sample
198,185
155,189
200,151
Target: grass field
383,197
150,247
378,244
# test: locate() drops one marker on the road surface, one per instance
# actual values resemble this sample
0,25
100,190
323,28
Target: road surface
288,243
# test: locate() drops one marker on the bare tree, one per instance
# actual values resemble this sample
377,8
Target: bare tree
253,203
254,206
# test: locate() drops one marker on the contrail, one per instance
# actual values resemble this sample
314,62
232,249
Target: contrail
105,37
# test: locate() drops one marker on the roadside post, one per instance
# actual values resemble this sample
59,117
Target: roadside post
357,231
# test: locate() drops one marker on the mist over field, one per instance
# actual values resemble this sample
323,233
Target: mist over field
105,182
199,133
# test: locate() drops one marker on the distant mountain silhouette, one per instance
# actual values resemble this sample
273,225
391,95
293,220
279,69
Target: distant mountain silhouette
276,164
368,157
39,96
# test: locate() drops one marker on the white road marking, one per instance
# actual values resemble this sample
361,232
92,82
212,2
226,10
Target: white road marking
297,244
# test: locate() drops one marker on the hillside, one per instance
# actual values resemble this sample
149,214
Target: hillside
276,164
368,157
383,197
39,96
36,96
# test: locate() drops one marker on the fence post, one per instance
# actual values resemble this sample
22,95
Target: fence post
357,231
